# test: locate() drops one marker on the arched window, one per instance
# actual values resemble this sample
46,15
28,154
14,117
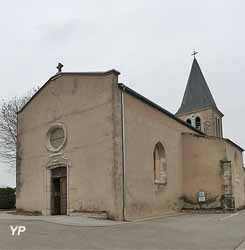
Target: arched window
219,134
198,123
160,164
216,125
220,127
188,121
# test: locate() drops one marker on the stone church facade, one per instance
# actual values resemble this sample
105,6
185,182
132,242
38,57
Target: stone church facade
87,143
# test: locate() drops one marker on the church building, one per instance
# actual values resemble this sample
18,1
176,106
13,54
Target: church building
88,143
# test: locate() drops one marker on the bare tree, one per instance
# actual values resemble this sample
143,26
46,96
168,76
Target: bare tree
8,127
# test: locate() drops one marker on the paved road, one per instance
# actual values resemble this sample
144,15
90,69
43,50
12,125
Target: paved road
193,231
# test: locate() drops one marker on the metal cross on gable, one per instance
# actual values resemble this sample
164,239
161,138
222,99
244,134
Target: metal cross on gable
194,53
59,67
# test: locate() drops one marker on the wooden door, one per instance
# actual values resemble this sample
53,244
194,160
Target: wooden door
63,195
55,196
59,191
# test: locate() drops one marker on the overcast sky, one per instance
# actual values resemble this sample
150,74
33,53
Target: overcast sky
149,42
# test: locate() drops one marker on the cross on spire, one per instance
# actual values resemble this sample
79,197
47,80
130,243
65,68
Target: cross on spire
59,67
197,93
194,53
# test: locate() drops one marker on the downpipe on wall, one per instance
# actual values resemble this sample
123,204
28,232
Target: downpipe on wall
123,153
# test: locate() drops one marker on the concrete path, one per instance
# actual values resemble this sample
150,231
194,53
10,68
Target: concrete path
187,232
81,221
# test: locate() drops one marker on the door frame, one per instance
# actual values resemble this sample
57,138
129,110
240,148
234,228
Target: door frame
56,161
58,173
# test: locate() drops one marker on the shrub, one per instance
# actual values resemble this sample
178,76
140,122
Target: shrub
7,198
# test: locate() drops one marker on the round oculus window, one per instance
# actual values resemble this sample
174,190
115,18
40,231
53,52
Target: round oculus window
56,137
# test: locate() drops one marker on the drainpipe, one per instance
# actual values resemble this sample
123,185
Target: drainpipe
123,152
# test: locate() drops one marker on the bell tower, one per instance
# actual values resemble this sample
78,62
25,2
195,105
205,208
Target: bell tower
198,107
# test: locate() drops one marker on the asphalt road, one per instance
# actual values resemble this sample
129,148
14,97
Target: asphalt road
192,231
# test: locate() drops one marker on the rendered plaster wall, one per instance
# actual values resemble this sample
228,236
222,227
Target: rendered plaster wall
88,106
203,171
144,128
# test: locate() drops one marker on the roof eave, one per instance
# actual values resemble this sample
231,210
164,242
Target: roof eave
199,110
234,144
154,105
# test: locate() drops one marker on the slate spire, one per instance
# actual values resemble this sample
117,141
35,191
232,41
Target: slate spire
197,94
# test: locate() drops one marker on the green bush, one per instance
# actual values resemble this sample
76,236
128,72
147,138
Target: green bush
7,198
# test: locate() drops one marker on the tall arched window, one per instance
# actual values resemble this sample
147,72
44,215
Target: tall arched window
198,123
218,127
188,121
160,164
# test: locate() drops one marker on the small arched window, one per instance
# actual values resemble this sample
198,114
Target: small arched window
188,121
198,123
160,164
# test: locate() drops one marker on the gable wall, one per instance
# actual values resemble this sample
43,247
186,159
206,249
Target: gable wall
85,105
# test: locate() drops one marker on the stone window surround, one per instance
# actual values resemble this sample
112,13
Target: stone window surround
52,128
162,178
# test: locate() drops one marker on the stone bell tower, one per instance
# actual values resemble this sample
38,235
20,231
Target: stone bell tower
198,107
